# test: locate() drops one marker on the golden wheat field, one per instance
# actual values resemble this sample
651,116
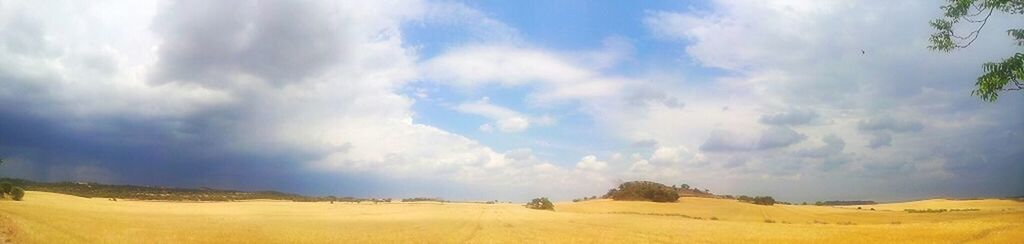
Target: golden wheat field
55,218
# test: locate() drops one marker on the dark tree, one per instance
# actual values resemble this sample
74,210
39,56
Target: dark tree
1006,75
17,193
541,203
5,187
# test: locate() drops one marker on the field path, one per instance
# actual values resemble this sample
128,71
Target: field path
476,226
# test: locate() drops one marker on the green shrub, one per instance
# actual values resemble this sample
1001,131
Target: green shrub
6,187
541,203
17,193
769,221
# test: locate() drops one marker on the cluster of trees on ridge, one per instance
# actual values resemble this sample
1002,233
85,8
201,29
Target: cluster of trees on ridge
643,191
760,200
584,199
844,203
657,192
423,199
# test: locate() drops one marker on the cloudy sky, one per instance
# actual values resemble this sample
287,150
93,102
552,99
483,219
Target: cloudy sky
802,100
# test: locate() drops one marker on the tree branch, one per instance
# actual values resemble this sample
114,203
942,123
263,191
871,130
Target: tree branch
974,34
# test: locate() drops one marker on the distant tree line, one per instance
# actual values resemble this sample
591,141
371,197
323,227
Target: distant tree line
584,199
941,210
760,200
95,190
423,199
844,203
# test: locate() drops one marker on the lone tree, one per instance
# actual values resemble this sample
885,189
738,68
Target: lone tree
17,193
1007,75
541,203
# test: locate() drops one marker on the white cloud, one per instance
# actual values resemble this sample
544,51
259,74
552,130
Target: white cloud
557,77
505,120
590,162
641,166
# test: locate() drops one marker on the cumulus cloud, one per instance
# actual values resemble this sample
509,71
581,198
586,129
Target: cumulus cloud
641,166
667,155
559,78
590,162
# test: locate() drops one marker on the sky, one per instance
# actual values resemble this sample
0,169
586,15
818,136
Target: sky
508,100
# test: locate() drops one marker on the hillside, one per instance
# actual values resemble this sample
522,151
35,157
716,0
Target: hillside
733,210
979,204
57,218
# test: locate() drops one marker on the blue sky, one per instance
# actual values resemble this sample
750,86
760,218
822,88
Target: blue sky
505,99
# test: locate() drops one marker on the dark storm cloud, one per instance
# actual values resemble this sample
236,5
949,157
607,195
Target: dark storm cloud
280,42
886,168
770,138
882,123
796,117
881,128
45,135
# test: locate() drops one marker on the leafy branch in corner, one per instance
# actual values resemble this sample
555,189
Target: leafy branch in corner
1007,75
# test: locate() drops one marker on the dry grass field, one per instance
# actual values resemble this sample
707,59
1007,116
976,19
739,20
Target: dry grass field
54,218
